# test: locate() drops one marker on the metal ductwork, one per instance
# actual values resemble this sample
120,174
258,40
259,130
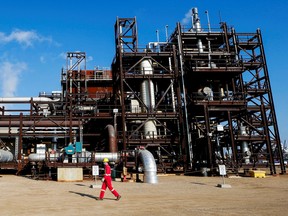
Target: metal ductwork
149,165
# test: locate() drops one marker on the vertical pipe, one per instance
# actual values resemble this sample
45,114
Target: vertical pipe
166,31
235,44
208,21
208,133
148,97
245,147
172,88
196,20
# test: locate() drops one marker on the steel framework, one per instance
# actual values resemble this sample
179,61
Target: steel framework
200,99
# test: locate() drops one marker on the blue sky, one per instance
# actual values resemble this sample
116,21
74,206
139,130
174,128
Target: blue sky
35,36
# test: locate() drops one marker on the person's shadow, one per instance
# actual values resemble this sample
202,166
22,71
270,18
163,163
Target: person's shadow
84,195
88,195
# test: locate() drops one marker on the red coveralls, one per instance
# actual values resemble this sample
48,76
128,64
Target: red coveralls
107,182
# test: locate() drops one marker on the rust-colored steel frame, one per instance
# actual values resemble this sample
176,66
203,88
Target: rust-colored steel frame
64,119
235,61
127,78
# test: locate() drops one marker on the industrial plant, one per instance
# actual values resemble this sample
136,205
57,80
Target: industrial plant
200,99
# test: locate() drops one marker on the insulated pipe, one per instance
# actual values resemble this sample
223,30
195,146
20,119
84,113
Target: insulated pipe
197,27
112,156
27,100
245,148
112,139
196,20
148,98
5,156
36,157
149,165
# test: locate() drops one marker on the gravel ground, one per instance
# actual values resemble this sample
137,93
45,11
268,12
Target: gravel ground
173,195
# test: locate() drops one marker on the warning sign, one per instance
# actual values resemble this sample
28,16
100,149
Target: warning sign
222,170
95,170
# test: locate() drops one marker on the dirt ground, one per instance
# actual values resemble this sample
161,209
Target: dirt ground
173,195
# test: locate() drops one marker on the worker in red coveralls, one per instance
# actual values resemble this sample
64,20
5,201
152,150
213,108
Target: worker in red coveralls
107,182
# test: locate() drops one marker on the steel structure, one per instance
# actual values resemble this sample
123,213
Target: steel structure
209,98
197,100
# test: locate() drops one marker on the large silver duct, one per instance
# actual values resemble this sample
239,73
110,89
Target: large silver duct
5,156
149,165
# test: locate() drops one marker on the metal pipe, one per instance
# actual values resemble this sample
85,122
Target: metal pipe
38,124
148,98
172,88
5,156
112,156
166,31
36,157
208,20
196,20
149,165
27,100
112,139
245,148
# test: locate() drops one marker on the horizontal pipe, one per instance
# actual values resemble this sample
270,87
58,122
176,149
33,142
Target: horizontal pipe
39,123
36,157
112,157
27,100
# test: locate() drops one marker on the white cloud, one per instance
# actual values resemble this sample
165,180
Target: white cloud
89,58
63,55
26,38
9,77
187,19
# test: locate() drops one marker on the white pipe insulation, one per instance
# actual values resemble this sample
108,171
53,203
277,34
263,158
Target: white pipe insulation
84,156
245,147
197,27
5,156
27,100
149,166
36,157
148,98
